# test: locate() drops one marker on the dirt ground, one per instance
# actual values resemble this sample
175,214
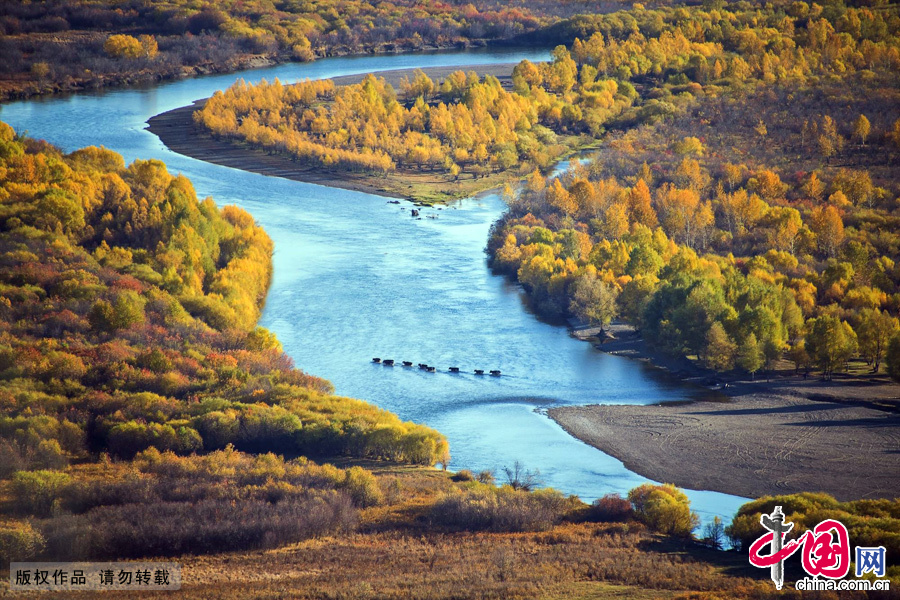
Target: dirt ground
787,435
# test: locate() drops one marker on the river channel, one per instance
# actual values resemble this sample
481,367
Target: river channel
356,277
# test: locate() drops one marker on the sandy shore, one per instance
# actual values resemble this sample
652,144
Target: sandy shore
178,132
783,436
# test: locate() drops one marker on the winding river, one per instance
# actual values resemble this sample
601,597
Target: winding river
356,277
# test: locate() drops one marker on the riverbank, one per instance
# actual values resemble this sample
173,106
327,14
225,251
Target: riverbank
177,130
24,85
785,435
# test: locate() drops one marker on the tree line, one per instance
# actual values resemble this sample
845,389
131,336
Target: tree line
737,265
49,45
463,126
128,312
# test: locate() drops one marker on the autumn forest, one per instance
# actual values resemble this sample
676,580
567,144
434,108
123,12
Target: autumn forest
720,180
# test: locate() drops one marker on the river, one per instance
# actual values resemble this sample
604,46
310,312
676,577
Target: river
356,277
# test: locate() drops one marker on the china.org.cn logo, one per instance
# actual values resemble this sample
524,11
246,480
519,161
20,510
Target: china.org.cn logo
825,554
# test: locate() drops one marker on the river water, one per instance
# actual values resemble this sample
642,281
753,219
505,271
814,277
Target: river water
356,277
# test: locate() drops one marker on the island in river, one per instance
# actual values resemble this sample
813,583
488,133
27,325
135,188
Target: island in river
771,438
178,131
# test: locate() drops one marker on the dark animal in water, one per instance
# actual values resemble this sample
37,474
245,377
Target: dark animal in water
376,360
431,369
454,369
389,362
479,371
495,373
407,363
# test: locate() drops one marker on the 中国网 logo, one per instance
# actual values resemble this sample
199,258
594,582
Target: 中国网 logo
825,554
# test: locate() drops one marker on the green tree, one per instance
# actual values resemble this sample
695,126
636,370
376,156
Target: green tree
799,356
101,316
594,301
35,492
62,210
128,310
892,357
830,343
875,330
720,350
750,355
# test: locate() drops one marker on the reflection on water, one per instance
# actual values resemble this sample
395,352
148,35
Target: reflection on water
356,277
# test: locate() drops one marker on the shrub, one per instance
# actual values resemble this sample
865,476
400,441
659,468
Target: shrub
486,477
123,46
663,508
127,439
463,475
362,487
155,360
714,534
210,525
34,492
869,522
19,542
611,507
225,500
520,478
49,455
501,509
127,310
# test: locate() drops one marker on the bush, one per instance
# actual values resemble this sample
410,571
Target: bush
127,439
19,542
869,522
127,310
463,475
34,492
212,525
501,509
892,357
13,460
362,487
486,477
123,46
610,508
520,478
167,504
49,455
664,508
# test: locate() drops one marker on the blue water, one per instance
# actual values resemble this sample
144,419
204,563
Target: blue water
357,277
